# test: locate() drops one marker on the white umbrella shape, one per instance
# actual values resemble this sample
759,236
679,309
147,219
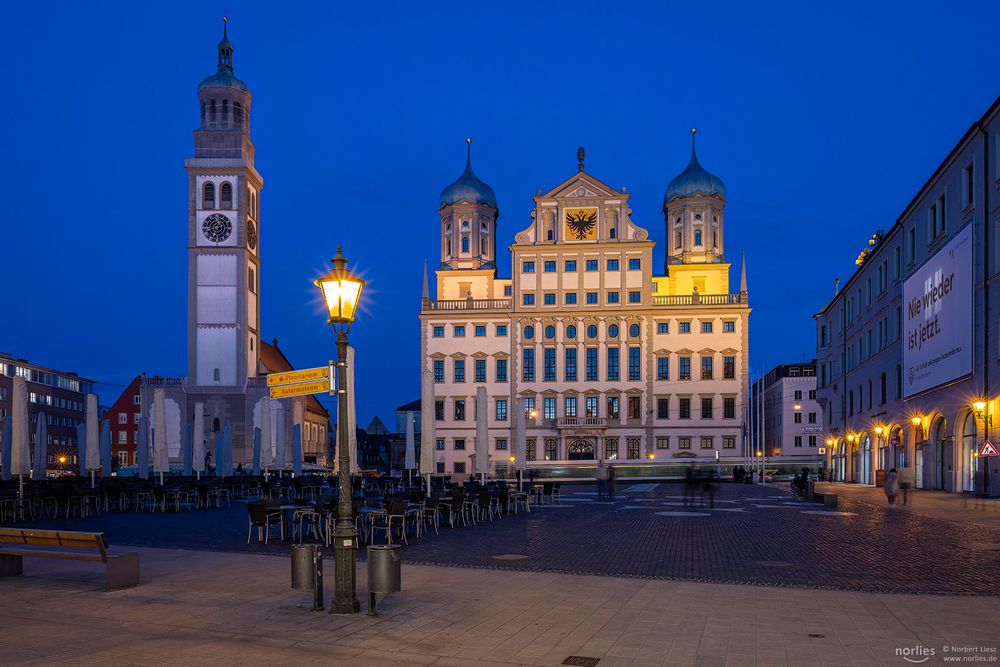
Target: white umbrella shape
520,443
482,433
41,447
427,432
409,461
198,440
161,463
20,448
93,438
266,434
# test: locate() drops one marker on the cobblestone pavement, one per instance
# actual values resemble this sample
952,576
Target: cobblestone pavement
753,535
205,608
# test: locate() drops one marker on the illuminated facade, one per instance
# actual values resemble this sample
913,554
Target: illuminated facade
906,346
613,360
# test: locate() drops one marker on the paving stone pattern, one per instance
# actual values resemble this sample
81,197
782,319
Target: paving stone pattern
753,535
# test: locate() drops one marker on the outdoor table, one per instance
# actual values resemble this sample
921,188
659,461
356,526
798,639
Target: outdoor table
285,509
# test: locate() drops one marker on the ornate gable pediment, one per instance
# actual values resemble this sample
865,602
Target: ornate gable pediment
583,186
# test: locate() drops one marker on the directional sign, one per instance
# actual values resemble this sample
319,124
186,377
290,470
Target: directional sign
305,375
288,390
988,449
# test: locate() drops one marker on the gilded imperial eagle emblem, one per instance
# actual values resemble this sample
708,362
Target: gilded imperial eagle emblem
581,224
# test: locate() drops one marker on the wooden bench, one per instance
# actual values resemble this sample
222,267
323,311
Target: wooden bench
16,543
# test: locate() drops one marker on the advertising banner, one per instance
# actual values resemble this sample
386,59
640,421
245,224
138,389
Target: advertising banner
937,317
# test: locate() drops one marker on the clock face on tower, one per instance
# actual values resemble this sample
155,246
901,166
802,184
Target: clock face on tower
251,235
217,228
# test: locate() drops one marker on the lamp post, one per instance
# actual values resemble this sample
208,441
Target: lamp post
342,292
987,419
830,442
851,438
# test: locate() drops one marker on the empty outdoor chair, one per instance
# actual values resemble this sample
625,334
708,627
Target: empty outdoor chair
262,518
556,496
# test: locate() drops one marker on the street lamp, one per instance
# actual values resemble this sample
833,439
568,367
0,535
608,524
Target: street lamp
987,419
341,291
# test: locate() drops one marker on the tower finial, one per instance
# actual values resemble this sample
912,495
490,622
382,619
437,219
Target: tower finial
743,275
468,150
225,24
580,154
427,291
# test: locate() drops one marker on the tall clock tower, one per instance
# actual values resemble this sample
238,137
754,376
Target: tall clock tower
223,208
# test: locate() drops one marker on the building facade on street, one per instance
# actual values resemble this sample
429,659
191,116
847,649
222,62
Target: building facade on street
792,430
123,417
59,395
909,345
611,359
227,361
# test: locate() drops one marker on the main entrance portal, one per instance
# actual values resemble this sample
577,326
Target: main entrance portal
581,450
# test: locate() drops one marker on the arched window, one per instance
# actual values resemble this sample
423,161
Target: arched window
697,237
613,233
225,111
715,239
208,195
633,330
613,331
677,239
592,331
549,235
211,111
550,331
217,375
529,332
571,331
226,195
216,425
449,246
238,112
465,244
483,244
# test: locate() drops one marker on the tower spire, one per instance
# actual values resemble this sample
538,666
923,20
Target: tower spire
468,151
225,48
743,275
427,291
580,154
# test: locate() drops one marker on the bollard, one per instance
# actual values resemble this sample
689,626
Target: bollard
318,581
307,571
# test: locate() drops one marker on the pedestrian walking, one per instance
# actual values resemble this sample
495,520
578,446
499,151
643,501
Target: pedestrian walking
602,480
891,485
611,482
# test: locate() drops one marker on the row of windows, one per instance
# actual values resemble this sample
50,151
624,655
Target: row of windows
55,401
591,366
550,451
570,265
44,377
589,407
634,330
591,298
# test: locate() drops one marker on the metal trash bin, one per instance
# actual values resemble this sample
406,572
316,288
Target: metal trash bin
304,566
383,572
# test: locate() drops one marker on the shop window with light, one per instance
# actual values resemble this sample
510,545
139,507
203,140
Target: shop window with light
611,448
550,449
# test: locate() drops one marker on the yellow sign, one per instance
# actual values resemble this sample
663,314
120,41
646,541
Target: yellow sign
305,375
580,224
288,390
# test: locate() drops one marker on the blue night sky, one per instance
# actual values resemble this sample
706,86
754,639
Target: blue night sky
823,119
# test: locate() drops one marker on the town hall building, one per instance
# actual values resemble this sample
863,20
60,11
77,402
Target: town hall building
609,358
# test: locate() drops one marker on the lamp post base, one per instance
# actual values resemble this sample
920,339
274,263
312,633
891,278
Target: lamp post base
345,607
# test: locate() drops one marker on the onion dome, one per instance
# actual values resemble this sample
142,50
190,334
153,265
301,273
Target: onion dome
468,187
223,78
694,180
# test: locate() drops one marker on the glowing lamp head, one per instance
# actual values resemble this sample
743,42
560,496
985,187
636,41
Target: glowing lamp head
878,430
512,459
829,442
850,437
798,406
62,459
341,291
916,421
652,456
979,406
760,453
